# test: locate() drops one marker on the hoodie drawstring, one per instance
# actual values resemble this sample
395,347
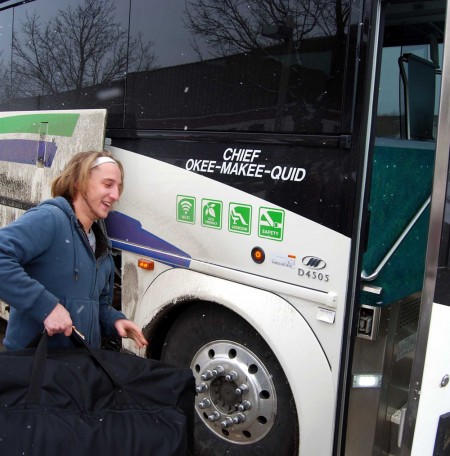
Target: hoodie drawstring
75,254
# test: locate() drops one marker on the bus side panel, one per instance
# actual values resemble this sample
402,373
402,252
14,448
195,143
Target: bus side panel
281,325
305,261
434,397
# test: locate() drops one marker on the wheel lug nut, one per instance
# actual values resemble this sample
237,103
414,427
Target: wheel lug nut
242,389
227,422
244,405
206,375
201,388
231,377
214,416
209,374
238,418
205,403
217,371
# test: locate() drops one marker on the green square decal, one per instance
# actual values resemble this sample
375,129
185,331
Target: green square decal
271,223
186,209
240,218
212,213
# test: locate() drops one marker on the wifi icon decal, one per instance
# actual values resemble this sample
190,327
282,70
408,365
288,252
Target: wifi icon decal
186,209
186,206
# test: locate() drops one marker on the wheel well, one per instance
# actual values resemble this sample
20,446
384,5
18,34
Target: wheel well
238,380
156,331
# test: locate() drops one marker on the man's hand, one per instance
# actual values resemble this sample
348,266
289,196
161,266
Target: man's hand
58,321
127,328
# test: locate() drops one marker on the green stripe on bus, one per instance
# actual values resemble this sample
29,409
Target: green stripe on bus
61,124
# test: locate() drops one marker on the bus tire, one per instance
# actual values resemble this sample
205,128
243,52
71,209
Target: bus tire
244,404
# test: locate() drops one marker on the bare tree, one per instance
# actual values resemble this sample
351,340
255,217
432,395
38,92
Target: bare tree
4,81
236,26
79,48
276,30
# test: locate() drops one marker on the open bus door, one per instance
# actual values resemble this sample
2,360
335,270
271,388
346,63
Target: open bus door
407,178
427,418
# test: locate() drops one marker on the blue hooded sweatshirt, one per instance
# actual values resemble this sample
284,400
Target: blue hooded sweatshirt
46,259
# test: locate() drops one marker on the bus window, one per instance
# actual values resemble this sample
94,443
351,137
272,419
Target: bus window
240,66
391,102
244,66
66,55
5,54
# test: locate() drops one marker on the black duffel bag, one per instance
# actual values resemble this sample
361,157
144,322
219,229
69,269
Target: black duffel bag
85,402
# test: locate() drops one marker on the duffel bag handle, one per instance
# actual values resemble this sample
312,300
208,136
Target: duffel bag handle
37,374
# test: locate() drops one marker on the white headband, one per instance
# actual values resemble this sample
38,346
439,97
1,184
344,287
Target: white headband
100,160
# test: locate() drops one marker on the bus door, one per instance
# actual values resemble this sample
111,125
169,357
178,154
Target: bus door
402,162
427,421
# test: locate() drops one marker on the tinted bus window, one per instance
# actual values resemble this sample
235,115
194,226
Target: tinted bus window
184,64
419,36
391,98
241,66
6,22
67,54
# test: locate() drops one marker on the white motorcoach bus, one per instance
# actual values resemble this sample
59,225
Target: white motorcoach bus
284,228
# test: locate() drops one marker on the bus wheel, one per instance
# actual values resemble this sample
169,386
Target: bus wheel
244,404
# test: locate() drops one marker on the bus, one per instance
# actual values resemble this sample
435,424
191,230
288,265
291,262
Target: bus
284,229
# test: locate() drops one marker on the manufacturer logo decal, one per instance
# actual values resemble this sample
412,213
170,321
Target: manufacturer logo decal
286,261
313,262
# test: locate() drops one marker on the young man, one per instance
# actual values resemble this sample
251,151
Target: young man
56,267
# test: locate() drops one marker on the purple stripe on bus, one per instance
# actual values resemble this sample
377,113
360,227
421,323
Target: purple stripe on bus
123,228
27,151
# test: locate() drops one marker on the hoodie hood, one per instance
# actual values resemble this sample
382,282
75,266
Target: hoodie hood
62,203
66,207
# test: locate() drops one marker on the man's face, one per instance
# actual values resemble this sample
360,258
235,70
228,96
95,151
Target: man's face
102,191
